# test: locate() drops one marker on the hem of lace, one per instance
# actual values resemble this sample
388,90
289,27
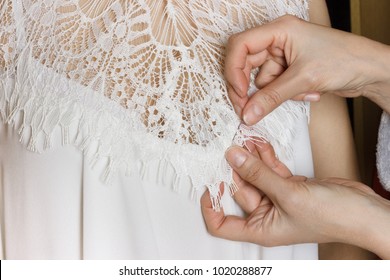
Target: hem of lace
38,101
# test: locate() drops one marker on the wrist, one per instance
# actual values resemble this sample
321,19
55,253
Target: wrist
374,233
377,69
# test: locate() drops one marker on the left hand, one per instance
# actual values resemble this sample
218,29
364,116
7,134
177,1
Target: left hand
284,209
251,199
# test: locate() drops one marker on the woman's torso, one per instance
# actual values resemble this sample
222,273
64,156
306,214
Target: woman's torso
137,88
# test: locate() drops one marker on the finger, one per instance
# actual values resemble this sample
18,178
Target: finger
247,196
239,47
309,97
286,86
257,60
238,102
268,156
251,147
256,172
214,218
239,97
269,71
219,225
236,72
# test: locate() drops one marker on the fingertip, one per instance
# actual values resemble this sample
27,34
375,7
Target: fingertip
262,146
312,97
252,114
236,156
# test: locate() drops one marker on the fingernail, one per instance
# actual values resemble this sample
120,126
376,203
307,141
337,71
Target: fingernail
312,97
253,114
236,156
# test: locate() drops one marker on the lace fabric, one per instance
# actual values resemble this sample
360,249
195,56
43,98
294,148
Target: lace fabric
141,80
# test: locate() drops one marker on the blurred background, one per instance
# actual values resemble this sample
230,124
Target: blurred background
370,18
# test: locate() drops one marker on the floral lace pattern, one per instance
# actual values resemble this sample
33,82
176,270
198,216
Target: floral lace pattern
140,79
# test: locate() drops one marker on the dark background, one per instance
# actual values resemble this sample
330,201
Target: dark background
340,16
339,11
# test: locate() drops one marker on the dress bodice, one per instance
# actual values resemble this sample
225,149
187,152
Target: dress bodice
141,80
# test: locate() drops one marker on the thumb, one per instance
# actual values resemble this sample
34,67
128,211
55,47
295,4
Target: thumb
287,86
254,171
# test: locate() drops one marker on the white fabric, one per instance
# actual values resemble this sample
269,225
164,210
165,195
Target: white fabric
142,79
55,207
115,100
383,151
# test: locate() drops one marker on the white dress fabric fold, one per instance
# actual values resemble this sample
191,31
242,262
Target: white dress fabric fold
55,206
114,119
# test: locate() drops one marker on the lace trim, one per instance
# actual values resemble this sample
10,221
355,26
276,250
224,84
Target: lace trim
38,99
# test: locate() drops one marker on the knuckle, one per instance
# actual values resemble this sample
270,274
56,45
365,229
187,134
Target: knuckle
253,173
211,228
213,231
291,21
271,97
311,73
311,77
214,225
217,231
295,197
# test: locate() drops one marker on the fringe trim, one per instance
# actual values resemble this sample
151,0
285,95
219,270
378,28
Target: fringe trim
36,101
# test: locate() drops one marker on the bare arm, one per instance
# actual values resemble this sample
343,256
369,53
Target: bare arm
292,209
331,139
334,156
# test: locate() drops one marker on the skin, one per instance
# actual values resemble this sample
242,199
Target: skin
284,209
328,117
292,209
316,63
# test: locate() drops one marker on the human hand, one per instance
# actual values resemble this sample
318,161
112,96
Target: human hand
301,60
294,209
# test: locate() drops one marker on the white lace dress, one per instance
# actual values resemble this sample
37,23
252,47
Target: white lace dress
114,119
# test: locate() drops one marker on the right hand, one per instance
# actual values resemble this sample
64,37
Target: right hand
314,59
